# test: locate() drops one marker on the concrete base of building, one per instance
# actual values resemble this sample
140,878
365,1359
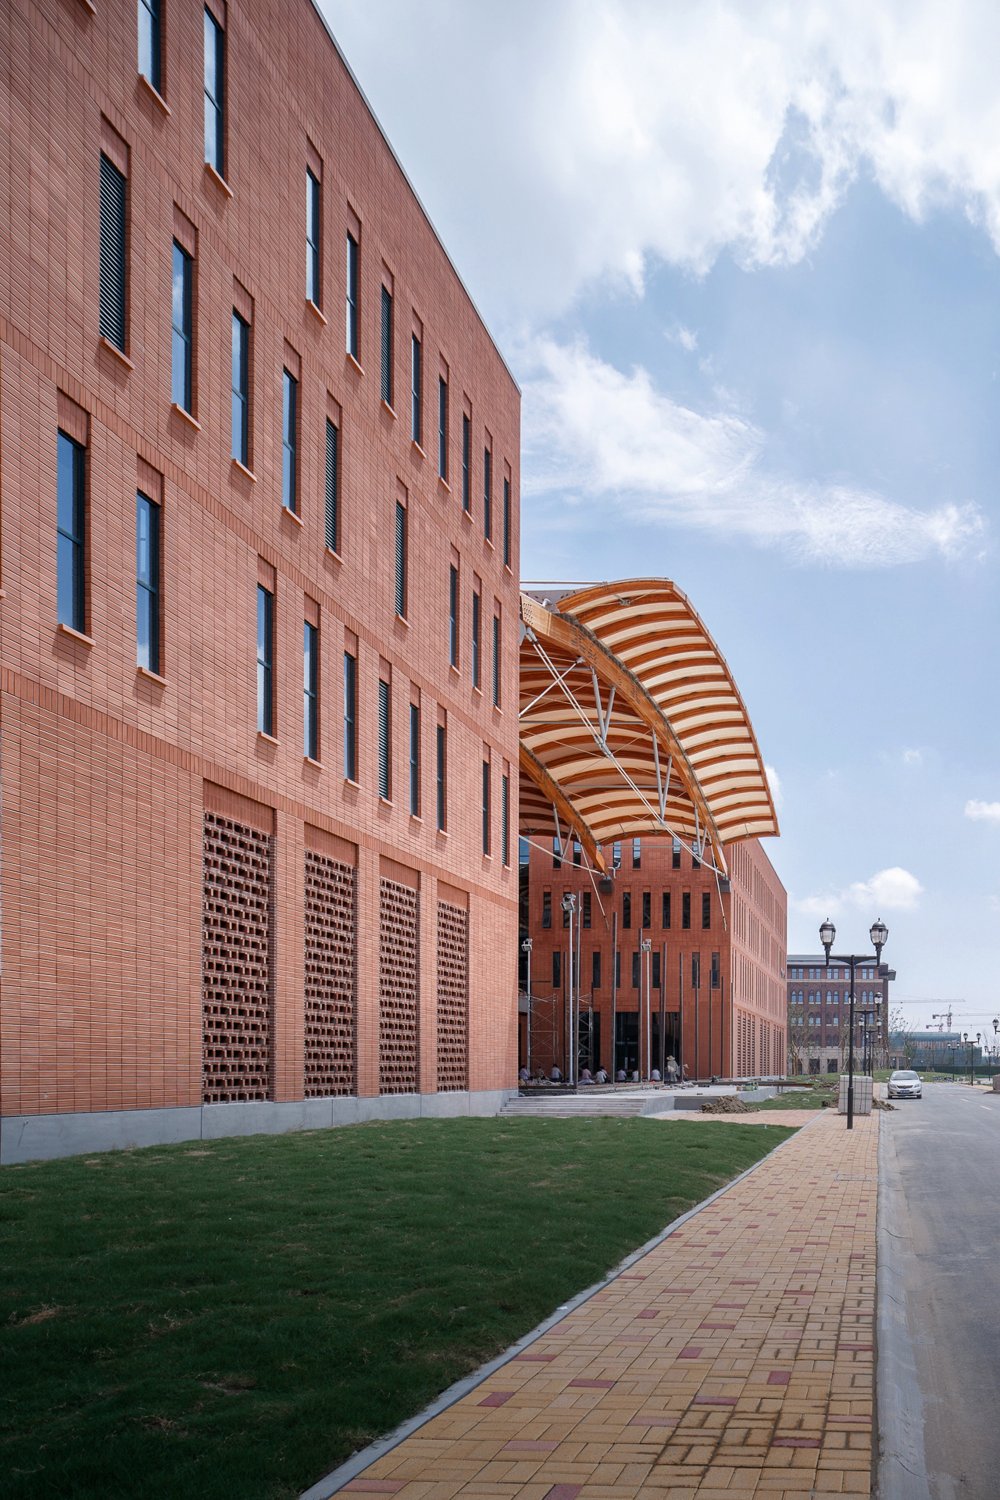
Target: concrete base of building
45,1137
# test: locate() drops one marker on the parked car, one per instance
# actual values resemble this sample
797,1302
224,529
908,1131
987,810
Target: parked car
905,1084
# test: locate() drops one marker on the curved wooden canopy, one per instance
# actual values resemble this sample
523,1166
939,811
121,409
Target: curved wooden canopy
630,715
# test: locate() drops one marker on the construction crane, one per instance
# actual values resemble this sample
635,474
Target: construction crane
944,1015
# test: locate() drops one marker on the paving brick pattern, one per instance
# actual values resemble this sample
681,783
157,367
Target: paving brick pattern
735,1359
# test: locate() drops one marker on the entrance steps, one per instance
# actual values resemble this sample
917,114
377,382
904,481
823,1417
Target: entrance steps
594,1103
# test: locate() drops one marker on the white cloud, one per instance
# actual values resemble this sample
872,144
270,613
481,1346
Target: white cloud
684,338
615,132
983,812
599,433
893,889
913,757
774,782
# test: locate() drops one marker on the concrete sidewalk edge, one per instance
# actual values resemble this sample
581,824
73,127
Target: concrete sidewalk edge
353,1466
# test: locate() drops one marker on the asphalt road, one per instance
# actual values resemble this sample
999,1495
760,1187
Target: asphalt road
939,1292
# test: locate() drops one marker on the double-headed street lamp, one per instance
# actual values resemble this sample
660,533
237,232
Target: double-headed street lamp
972,1046
827,935
569,908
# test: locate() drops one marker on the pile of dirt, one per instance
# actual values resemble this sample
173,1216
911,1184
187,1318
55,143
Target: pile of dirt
726,1104
882,1104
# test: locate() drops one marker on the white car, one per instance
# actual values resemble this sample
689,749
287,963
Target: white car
905,1084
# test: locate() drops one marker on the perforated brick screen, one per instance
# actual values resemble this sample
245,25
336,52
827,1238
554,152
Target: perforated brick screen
237,988
452,997
399,987
331,983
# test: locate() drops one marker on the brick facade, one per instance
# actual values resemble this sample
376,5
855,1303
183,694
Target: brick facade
192,910
714,968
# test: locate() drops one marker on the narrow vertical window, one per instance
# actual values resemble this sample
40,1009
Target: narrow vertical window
476,632
486,807
496,661
556,971
289,441
595,969
353,343
149,43
546,909
312,238
453,616
332,486
265,660
384,741
441,777
637,854
401,559
675,853
588,909
71,518
416,392
415,760
556,854
686,909
487,494
241,390
626,908
665,910
147,582
506,522
505,821
310,690
647,918
113,288
442,428
182,349
466,463
706,909
350,717
215,104
386,345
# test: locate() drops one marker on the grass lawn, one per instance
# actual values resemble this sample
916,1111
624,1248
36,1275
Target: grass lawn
823,1094
235,1318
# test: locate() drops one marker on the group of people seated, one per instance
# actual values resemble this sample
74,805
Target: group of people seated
673,1071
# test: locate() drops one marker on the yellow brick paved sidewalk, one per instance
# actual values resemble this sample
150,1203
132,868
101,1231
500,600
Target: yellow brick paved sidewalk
735,1359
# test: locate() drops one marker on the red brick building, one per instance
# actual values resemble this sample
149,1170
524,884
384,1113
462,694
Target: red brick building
819,996
711,984
258,625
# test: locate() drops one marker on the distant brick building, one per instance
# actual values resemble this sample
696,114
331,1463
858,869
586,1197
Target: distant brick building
710,988
818,1008
259,486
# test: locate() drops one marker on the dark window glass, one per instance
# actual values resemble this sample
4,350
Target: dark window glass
289,441
556,970
414,760
706,909
656,971
675,854
577,852
352,295
453,615
647,919
416,391
265,660
496,665
215,107
635,971
466,463
332,486
626,909
587,908
636,854
564,905
665,911
595,969
386,346
350,717
506,523
442,427
616,854
556,854
310,690
686,909
486,807
70,533
618,969
384,747
476,641
312,238
113,293
147,582
401,559
715,971
546,909
149,42
505,819
441,783
241,390
695,857
487,494
182,348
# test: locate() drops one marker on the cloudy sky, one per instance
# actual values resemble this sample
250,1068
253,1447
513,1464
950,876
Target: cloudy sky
743,258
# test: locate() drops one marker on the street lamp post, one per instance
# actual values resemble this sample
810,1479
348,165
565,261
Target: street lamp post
972,1046
878,933
645,945
569,907
526,950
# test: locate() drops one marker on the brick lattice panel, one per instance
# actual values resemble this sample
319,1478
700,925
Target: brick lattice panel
399,988
331,986
452,997
237,975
